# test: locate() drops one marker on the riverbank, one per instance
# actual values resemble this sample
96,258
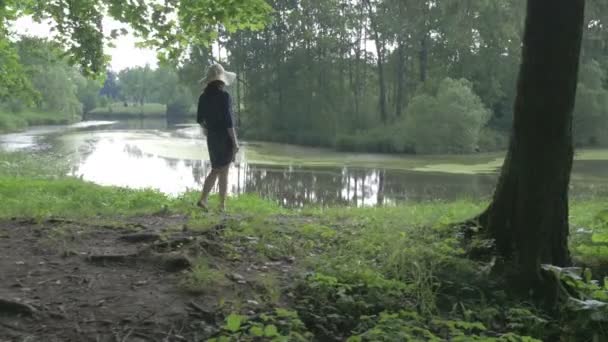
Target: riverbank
119,110
89,261
14,122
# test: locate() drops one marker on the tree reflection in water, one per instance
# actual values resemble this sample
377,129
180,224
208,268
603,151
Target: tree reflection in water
300,186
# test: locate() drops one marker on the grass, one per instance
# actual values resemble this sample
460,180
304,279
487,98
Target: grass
11,122
118,109
362,274
203,278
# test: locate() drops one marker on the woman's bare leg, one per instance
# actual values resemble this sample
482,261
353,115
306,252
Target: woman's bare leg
207,187
223,184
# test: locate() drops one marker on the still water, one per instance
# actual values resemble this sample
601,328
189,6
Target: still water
173,159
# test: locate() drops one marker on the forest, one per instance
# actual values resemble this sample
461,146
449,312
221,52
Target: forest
368,76
408,170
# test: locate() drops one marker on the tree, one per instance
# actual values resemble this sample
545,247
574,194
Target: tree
88,92
591,109
528,217
172,26
137,84
51,77
110,87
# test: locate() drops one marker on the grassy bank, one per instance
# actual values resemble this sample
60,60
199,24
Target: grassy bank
131,110
10,122
357,274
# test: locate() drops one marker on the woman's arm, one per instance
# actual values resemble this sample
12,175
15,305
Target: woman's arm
200,115
235,142
229,123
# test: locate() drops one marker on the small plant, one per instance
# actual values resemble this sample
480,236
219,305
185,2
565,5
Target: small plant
203,278
280,325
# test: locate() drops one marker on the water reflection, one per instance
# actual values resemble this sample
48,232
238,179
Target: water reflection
146,154
121,159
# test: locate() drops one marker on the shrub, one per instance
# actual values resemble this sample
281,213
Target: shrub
491,140
11,122
448,122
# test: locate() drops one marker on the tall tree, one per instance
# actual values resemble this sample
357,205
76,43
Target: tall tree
380,49
528,217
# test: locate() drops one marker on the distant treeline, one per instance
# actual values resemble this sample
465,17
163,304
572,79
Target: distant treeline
59,93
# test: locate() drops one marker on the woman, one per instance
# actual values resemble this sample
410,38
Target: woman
215,116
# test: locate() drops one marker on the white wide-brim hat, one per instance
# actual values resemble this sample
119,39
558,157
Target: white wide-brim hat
216,72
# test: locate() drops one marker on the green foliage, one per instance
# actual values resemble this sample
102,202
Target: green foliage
150,92
360,274
280,325
131,109
203,279
15,84
591,109
384,139
590,231
492,140
585,315
78,28
448,122
50,75
88,93
11,122
136,84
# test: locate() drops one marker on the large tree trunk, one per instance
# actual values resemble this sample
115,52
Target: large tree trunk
528,218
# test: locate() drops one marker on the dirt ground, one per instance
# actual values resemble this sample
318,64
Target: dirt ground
64,280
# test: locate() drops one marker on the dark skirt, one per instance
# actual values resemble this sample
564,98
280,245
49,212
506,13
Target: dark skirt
220,149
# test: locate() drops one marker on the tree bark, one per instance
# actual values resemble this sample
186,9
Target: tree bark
380,63
400,92
528,217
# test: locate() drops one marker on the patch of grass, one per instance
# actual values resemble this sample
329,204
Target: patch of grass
35,118
119,109
360,274
20,164
202,278
270,287
11,122
67,197
589,234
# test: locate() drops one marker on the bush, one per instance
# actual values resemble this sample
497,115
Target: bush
491,140
10,122
448,122
181,103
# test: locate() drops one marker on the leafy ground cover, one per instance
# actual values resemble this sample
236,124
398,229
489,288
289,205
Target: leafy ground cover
110,263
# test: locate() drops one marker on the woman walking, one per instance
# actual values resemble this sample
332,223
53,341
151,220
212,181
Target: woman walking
215,116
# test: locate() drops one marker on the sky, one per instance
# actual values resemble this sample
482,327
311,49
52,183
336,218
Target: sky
124,55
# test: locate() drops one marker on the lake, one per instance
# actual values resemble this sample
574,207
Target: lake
148,153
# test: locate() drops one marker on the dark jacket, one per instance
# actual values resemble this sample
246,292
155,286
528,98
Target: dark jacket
215,110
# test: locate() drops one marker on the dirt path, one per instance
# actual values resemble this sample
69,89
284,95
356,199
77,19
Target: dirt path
73,281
